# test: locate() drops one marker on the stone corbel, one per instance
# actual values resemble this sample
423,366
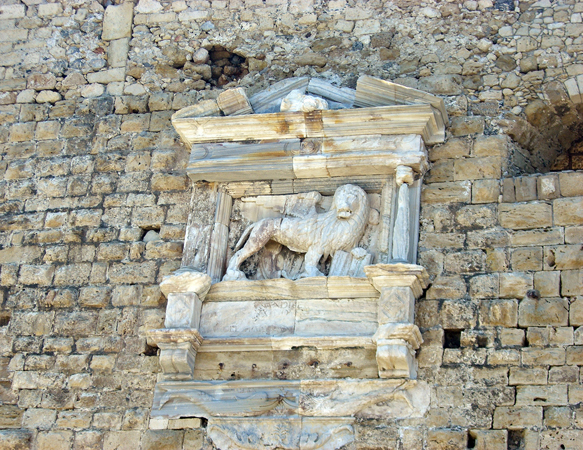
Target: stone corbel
180,340
397,337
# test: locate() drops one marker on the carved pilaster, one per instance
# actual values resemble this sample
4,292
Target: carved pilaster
401,236
179,342
178,347
397,337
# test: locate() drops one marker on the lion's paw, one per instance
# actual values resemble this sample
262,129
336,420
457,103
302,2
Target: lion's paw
234,275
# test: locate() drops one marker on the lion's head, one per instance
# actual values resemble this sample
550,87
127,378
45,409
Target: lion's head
348,201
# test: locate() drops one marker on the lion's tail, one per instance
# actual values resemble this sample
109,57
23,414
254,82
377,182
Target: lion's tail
244,236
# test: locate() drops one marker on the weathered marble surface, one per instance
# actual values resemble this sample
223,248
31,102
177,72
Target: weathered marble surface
186,279
310,398
336,317
296,100
289,434
316,235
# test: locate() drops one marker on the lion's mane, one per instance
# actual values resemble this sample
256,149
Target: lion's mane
334,233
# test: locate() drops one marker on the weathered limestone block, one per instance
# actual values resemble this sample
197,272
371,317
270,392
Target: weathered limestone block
117,21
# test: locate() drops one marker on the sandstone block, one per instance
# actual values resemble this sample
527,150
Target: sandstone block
40,419
575,355
466,125
564,257
542,312
15,439
571,184
107,76
547,187
9,11
515,285
564,375
527,376
73,274
490,146
443,438
447,192
36,275
511,337
121,440
548,283
543,356
21,132
117,52
490,439
518,417
48,97
485,191
525,215
169,182
94,296
148,217
123,273
449,84
117,21
529,258
77,323
466,262
525,189
548,236
541,395
571,282
167,439
88,440
40,81
502,313
558,417
443,287
568,211
453,148
485,286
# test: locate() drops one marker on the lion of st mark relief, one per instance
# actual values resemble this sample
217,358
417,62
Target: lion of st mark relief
318,235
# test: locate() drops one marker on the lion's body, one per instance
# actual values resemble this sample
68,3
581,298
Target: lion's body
317,235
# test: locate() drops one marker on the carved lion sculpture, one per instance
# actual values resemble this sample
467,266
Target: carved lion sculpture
318,235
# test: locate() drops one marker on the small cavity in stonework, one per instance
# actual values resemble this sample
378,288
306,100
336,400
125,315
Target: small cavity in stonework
471,441
4,318
452,339
515,439
226,66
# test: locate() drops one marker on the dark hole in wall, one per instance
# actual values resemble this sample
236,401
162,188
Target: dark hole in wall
452,339
515,439
150,351
471,441
226,66
482,341
4,318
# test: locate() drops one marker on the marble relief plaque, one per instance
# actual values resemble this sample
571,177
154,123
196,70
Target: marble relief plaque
293,313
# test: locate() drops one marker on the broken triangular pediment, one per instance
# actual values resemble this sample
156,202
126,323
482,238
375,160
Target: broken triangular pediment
386,107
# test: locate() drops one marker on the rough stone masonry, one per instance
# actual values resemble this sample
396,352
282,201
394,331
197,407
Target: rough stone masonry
93,196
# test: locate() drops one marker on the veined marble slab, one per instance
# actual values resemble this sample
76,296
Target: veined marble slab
248,319
284,289
390,120
310,398
267,318
350,317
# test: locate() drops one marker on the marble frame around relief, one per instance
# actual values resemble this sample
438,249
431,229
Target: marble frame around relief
374,139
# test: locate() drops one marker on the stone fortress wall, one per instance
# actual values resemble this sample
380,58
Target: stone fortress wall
91,163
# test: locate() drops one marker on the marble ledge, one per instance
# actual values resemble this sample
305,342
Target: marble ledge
367,398
379,276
